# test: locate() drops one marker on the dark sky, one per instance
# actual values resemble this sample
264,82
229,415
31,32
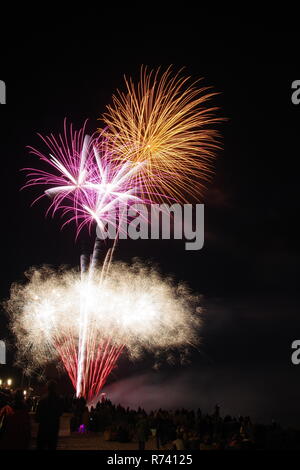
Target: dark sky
58,65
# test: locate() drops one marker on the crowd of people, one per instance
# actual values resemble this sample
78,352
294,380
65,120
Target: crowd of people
179,429
15,419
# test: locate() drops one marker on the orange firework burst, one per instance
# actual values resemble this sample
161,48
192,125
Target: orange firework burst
165,122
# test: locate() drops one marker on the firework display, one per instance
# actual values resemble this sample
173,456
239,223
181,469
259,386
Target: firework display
157,144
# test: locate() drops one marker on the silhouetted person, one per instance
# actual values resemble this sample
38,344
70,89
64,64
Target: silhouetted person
48,413
178,443
142,431
15,428
216,414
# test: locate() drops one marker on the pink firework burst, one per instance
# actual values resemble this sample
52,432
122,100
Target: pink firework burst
85,181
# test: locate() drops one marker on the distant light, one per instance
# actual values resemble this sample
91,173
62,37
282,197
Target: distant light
9,382
0,381
25,392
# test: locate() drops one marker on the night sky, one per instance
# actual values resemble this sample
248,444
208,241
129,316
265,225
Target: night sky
69,66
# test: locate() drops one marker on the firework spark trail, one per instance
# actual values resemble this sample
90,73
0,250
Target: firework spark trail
96,360
84,333
164,121
130,307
